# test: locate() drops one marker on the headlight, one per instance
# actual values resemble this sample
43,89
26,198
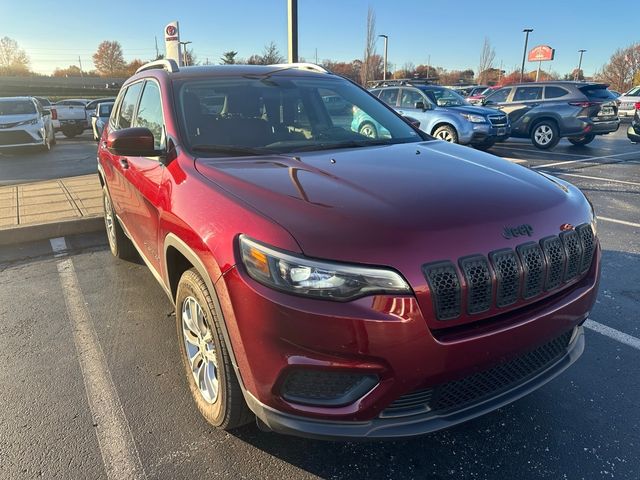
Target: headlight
33,121
313,278
474,118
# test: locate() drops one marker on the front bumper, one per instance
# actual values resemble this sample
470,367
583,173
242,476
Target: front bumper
480,133
387,428
273,334
22,136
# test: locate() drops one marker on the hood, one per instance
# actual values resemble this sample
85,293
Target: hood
375,204
473,109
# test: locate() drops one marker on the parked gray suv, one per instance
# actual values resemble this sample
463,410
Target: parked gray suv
548,111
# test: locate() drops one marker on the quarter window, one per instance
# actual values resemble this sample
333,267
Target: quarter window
150,113
128,105
554,92
527,94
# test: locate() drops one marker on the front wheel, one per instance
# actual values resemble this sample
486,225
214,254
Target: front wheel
544,135
583,140
119,244
207,363
446,133
368,129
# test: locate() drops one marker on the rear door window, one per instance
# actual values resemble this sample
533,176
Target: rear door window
389,96
410,98
527,94
128,105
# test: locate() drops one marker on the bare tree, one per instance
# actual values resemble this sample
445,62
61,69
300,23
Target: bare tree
367,72
623,66
13,60
487,56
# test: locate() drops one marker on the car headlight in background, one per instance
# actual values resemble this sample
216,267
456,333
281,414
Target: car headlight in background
33,121
474,118
314,278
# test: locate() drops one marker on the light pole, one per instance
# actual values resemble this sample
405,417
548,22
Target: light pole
184,52
527,31
386,43
579,65
292,31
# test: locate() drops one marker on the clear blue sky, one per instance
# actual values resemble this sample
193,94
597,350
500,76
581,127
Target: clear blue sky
54,33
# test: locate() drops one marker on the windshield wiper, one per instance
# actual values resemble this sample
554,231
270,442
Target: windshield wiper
347,144
237,150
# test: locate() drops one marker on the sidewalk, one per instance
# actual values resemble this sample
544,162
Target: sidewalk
40,210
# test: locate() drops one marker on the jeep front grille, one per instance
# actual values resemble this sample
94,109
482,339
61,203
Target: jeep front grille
523,274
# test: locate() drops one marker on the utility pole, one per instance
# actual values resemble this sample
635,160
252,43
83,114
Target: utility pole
316,56
292,24
386,44
157,52
428,65
527,31
500,72
579,65
80,62
184,52
538,71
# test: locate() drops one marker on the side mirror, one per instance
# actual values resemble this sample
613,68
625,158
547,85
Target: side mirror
133,142
422,106
413,121
46,112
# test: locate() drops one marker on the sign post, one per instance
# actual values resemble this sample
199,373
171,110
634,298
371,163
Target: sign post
172,42
541,53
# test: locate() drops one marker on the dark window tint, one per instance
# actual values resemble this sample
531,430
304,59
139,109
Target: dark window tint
527,94
597,92
410,98
499,96
128,105
389,96
375,93
16,107
44,101
554,92
105,109
150,113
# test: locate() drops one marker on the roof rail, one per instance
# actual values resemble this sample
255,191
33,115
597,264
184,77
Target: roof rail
168,64
302,66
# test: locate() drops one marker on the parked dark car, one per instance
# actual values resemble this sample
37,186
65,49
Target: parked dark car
633,132
548,111
331,284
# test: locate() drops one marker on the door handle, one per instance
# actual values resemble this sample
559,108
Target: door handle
124,163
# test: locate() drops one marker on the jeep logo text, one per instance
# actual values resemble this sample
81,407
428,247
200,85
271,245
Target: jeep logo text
519,231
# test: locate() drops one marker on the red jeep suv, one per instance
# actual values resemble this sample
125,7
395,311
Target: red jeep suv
334,285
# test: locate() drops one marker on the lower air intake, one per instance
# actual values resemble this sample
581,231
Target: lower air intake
326,388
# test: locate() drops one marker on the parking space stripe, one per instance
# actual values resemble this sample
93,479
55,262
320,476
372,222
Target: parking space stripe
621,222
588,159
625,182
117,447
613,333
536,151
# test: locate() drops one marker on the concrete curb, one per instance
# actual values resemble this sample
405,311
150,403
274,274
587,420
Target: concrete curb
44,231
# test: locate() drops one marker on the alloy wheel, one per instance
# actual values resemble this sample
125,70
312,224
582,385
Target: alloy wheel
444,135
200,349
543,134
108,220
368,131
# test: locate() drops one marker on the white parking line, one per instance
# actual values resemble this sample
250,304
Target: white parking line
621,222
117,447
588,159
543,152
613,333
625,182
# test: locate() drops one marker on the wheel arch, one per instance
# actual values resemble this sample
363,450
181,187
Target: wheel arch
444,123
548,117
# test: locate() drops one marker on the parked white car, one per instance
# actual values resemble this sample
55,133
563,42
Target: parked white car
628,101
23,123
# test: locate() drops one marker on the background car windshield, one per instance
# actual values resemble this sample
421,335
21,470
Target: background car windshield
16,107
284,114
443,97
634,92
105,110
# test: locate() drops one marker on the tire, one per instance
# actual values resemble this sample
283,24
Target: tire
484,146
368,129
545,135
120,245
217,393
446,133
584,140
46,146
69,132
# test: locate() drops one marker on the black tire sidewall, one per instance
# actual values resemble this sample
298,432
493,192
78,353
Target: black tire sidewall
580,141
191,285
448,128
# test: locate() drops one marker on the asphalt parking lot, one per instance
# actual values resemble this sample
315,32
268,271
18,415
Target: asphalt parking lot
584,424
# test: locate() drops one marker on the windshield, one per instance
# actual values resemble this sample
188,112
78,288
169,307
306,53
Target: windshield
282,114
444,97
634,92
16,107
